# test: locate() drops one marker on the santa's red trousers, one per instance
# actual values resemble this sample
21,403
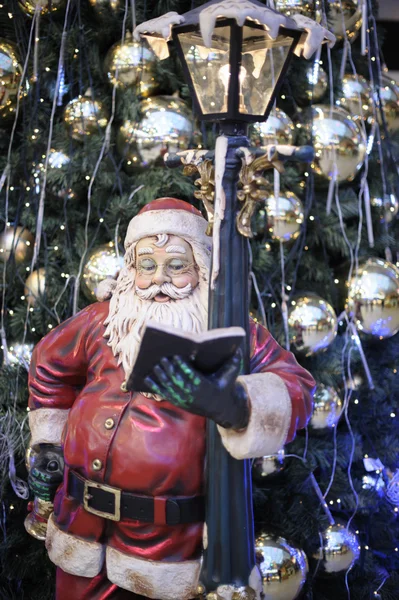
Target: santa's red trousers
72,587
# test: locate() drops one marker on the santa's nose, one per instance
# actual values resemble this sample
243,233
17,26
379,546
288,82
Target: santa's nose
160,277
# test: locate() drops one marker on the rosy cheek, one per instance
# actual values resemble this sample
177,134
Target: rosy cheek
143,282
182,280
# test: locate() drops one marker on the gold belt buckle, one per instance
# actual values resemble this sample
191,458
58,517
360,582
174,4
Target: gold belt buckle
116,516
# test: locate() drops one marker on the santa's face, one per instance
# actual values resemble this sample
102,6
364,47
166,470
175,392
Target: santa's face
172,263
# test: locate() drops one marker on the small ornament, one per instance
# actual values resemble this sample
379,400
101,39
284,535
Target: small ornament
373,298
344,17
357,98
387,206
35,286
84,116
318,83
268,465
340,550
312,324
131,64
45,6
389,94
101,262
20,354
327,408
283,567
10,77
296,7
278,129
340,147
57,160
284,216
18,242
166,126
105,8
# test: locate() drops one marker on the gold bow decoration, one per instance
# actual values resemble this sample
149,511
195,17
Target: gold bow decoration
206,184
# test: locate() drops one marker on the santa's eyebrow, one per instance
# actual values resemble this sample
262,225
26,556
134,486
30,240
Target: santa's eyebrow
146,250
178,249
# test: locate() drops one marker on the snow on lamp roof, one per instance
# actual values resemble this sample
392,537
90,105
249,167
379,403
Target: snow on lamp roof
159,31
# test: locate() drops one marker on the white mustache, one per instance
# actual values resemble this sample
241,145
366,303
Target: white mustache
166,288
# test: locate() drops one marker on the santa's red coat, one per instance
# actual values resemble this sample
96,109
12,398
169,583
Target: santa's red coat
154,448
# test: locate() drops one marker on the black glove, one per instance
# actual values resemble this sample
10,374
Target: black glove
217,396
46,472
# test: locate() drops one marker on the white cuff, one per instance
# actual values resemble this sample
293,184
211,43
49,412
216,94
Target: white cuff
269,421
46,425
153,579
72,554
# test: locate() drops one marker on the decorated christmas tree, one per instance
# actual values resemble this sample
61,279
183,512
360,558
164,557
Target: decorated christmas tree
87,115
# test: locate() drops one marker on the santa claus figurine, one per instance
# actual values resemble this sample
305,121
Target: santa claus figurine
127,467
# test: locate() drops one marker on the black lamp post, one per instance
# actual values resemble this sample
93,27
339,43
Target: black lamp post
234,54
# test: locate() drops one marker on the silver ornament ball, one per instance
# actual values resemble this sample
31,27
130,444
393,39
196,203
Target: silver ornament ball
283,567
284,216
312,324
357,98
268,465
277,129
339,552
327,408
373,298
318,83
166,126
387,206
338,142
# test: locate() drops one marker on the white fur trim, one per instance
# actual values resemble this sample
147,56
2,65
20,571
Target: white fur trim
269,420
153,579
72,554
172,221
46,425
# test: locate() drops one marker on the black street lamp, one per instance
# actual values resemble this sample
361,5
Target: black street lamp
234,54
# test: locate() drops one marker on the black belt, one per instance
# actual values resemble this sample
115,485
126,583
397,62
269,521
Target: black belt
115,504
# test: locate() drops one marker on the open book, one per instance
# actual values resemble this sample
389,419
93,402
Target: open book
207,350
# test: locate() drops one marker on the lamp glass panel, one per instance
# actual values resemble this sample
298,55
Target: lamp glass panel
262,62
209,68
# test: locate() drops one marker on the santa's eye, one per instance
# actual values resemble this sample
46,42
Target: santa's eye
176,265
147,265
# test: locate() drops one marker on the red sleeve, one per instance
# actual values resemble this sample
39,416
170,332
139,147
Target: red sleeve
267,356
59,364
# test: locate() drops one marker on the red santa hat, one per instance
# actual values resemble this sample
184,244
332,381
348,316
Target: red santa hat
170,216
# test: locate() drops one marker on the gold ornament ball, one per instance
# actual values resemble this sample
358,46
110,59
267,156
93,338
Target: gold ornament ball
373,298
284,216
312,324
357,98
337,139
277,129
10,77
339,552
102,262
166,126
17,241
35,286
389,93
318,83
84,117
283,567
131,64
327,408
44,6
344,17
104,8
268,465
387,206
296,7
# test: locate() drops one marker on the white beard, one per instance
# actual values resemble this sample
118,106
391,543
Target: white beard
128,315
